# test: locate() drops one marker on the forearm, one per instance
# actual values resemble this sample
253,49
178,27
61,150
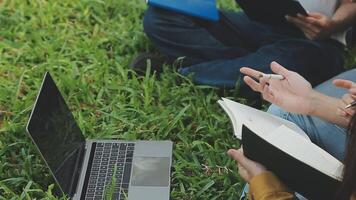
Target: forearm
345,15
326,107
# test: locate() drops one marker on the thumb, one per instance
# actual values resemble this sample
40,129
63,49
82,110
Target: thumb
238,155
279,69
344,83
316,15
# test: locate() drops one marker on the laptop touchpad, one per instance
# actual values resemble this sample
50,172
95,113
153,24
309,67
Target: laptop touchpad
151,171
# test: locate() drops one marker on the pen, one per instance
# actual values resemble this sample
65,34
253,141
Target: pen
272,76
351,105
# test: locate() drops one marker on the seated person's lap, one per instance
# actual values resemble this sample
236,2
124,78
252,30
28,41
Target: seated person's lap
328,136
214,52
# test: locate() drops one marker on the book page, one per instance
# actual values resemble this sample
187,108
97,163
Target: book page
286,140
326,7
256,120
235,121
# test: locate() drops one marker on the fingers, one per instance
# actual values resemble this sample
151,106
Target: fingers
304,24
313,27
310,23
247,168
268,94
238,155
348,99
352,91
296,20
279,69
275,67
251,72
316,15
255,86
344,83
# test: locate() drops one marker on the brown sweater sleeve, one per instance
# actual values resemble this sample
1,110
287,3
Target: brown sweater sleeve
267,186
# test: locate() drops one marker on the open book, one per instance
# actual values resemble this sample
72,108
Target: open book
286,150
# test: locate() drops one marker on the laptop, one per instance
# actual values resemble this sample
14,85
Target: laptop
205,9
85,169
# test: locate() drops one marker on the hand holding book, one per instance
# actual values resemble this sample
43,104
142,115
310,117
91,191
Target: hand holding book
246,167
273,144
314,25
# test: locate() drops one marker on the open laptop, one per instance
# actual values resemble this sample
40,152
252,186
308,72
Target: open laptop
205,9
84,169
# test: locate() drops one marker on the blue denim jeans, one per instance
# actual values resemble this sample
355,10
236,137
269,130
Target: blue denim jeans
214,52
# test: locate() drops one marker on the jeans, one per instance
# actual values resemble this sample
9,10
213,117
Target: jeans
214,52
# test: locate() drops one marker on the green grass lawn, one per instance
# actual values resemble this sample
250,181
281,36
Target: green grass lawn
87,45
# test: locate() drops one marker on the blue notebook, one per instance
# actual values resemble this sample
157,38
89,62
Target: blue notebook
205,9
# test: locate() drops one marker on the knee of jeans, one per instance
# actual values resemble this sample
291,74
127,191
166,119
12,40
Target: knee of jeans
155,19
149,20
277,111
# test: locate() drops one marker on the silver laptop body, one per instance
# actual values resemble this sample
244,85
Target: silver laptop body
133,170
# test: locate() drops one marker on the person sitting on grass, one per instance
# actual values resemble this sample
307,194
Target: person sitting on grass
214,52
295,94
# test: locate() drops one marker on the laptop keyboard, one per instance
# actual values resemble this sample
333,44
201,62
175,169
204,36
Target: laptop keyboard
106,157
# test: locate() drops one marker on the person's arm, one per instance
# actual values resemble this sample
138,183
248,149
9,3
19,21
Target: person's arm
345,15
320,26
267,186
327,108
295,94
264,185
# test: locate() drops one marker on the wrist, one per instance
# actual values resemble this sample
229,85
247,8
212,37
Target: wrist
314,100
335,25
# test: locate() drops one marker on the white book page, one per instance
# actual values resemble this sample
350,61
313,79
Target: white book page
286,140
236,123
326,7
256,120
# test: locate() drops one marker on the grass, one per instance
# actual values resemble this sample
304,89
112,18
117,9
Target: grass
87,45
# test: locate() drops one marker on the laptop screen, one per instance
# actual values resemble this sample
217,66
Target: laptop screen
57,135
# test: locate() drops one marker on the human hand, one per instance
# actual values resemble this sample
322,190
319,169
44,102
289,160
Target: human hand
347,98
293,93
246,167
314,26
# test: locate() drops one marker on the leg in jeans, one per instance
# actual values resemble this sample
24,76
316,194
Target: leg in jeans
177,35
308,58
214,52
